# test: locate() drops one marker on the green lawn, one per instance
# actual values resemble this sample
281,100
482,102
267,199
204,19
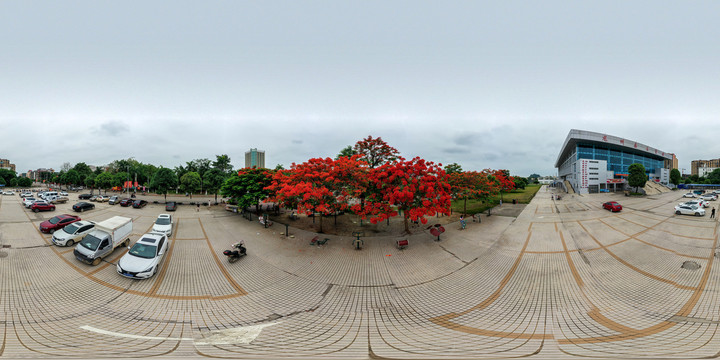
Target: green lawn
474,206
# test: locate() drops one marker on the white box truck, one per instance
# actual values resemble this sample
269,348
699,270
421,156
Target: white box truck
106,236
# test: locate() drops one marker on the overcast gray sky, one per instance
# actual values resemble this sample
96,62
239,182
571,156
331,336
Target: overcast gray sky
486,84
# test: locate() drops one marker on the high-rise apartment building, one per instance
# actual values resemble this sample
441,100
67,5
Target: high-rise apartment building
703,167
5,164
255,159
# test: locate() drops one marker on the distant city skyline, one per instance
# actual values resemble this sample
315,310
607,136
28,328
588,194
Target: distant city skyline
484,84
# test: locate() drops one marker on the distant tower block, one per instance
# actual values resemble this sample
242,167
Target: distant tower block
255,159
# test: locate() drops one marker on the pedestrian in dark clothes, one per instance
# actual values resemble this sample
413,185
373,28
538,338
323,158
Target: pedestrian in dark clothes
712,213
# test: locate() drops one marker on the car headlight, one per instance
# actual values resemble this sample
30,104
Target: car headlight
148,269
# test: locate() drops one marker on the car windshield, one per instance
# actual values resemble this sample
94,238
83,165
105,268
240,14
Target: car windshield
163,221
90,242
142,250
54,220
71,229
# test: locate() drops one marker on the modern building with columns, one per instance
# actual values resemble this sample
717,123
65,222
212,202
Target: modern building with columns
593,162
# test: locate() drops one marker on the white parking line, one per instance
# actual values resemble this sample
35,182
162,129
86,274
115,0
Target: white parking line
238,335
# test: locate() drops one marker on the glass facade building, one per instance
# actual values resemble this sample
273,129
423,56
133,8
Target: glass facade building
593,162
618,160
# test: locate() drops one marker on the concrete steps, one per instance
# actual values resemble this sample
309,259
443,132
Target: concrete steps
569,187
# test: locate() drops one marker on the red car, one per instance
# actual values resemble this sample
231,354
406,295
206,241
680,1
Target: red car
42,206
126,202
613,206
57,223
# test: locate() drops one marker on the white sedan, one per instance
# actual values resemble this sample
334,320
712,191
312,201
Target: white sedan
163,224
8,192
709,197
143,259
699,203
29,201
689,210
689,195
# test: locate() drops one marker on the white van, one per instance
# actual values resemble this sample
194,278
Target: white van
47,194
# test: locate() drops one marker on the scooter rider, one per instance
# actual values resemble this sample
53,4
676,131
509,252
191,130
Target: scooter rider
240,245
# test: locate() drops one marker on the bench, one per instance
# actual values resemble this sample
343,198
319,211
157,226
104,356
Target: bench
316,241
401,244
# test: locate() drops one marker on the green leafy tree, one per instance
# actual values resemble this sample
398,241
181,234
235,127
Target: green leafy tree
213,179
2,181
82,169
72,177
247,187
348,151
104,181
190,182
222,163
279,167
711,178
25,182
637,176
453,168
90,181
13,182
120,178
675,176
163,180
520,182
7,175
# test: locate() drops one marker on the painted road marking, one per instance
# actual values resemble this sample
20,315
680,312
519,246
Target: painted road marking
233,336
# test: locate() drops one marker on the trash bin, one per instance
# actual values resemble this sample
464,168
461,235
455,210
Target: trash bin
514,201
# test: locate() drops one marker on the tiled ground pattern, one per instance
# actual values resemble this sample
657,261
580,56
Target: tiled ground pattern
565,279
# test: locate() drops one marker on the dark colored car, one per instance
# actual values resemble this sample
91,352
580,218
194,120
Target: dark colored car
171,206
42,206
84,196
139,204
57,223
82,206
613,206
126,202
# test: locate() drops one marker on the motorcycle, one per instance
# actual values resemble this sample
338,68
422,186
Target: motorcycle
236,251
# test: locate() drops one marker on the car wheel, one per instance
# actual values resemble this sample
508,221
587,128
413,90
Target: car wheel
697,214
70,243
96,262
36,210
677,212
82,209
126,243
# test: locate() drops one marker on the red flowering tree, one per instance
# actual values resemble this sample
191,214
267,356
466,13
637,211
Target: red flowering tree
375,152
323,186
416,187
471,185
503,181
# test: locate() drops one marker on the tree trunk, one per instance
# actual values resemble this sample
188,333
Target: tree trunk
407,228
321,223
465,207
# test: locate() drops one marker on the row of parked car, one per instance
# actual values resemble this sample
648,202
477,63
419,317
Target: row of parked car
97,240
696,207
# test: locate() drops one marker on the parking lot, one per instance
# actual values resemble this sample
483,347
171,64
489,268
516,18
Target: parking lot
563,279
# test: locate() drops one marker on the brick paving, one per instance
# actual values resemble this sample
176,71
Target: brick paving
563,279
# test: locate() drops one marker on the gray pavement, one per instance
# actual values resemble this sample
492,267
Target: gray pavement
563,279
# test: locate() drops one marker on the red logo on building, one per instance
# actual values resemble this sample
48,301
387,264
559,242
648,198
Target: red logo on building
605,138
622,141
636,145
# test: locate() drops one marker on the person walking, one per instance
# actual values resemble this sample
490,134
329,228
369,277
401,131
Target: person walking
712,213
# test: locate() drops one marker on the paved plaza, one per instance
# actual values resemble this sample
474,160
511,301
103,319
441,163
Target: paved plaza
564,279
